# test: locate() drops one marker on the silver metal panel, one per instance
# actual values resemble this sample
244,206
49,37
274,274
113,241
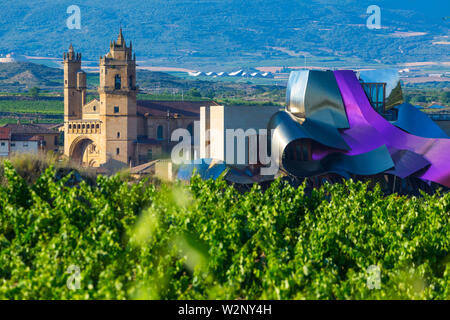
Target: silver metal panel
295,92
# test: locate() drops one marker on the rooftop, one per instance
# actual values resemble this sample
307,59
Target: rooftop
145,168
29,129
24,137
5,133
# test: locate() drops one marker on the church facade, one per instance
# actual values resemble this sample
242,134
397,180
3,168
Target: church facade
116,129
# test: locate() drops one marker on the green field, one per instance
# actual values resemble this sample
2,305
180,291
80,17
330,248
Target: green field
208,241
7,120
32,106
428,94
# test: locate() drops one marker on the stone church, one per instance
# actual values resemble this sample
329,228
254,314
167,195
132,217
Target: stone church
117,130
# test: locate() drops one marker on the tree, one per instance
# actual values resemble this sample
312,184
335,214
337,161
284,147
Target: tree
193,92
445,97
210,94
34,92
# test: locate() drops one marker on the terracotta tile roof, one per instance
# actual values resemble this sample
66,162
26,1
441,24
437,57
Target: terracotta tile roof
23,137
183,108
5,133
28,129
145,168
50,126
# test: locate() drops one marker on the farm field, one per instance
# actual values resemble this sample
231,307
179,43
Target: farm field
32,106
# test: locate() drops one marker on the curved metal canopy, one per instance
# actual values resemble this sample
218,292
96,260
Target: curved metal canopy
331,111
416,122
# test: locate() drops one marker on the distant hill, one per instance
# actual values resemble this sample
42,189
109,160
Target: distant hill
217,33
21,76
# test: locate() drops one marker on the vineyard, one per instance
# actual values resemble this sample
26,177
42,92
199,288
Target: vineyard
111,239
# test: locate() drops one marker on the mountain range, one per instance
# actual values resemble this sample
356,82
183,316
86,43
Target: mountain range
227,33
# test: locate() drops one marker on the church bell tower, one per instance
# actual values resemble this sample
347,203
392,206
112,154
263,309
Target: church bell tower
118,108
74,85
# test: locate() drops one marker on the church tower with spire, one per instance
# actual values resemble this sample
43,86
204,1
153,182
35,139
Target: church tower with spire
104,131
118,108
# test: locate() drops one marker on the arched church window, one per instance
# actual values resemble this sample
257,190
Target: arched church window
130,82
118,82
160,133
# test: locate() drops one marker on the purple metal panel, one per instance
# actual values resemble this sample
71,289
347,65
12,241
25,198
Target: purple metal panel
407,163
369,130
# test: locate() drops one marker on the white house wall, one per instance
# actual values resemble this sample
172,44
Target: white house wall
24,147
4,148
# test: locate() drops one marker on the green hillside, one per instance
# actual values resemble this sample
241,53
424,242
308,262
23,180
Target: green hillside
23,75
20,77
224,34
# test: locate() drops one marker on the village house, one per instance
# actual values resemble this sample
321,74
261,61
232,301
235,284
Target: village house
27,138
